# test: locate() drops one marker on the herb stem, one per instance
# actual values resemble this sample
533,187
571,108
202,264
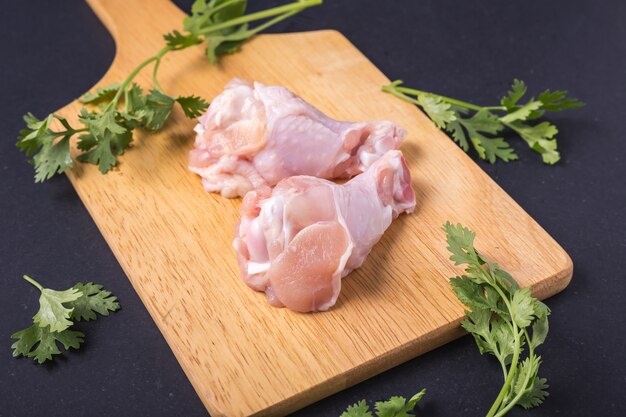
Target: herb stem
511,404
273,21
133,74
32,281
516,351
295,6
154,76
402,92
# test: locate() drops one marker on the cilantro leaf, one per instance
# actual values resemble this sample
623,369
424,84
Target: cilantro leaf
438,111
461,244
477,323
398,406
360,409
177,40
521,113
51,156
218,45
493,148
481,123
192,106
469,293
135,98
455,128
558,101
106,138
157,109
393,407
484,122
522,307
540,139
45,342
101,151
222,41
94,299
52,312
205,14
518,89
503,343
54,158
540,331
102,94
536,395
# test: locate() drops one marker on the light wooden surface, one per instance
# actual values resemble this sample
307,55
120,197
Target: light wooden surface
174,240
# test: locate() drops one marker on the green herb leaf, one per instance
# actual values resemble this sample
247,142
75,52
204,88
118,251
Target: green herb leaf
521,113
101,95
398,406
540,139
393,407
540,331
492,149
157,109
518,89
218,45
558,101
484,122
536,395
52,312
94,299
461,244
177,40
438,111
193,106
45,341
360,409
455,128
51,156
469,293
522,307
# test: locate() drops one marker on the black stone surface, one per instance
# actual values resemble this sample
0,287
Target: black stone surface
51,52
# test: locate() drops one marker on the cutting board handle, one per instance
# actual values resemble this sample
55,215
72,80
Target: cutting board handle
131,21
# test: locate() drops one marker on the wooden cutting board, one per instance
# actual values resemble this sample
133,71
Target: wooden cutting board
174,240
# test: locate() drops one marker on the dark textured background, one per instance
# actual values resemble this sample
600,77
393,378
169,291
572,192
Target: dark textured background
51,52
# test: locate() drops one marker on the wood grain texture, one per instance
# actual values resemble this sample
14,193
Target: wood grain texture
174,240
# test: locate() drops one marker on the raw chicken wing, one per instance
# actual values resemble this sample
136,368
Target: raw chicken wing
299,241
253,135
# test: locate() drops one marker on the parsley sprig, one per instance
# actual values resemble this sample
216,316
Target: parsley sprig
480,126
58,310
503,318
116,110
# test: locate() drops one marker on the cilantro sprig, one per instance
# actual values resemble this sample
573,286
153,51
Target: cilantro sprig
58,310
503,318
394,407
481,126
115,111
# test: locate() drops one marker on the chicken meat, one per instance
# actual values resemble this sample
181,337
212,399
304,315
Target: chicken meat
252,136
298,241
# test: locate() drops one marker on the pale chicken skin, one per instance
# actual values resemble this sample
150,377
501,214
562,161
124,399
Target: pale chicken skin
298,241
252,136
